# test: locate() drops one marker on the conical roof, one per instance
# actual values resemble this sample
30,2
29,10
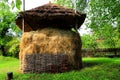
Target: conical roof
50,15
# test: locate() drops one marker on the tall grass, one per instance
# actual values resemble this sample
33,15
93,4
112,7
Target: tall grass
94,69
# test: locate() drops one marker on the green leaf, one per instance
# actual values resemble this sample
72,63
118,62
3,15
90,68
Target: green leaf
13,5
6,0
18,4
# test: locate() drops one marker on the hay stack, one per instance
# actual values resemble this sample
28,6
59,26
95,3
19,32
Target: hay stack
50,50
48,44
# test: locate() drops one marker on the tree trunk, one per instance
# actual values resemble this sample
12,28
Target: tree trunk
3,50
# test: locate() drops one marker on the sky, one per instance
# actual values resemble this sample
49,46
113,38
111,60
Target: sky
29,4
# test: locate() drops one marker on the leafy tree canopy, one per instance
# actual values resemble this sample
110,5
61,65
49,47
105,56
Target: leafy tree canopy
8,28
105,21
103,17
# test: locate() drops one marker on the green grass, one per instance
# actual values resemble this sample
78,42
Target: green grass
8,64
94,69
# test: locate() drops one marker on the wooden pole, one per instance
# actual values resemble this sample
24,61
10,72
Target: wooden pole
9,76
75,5
23,21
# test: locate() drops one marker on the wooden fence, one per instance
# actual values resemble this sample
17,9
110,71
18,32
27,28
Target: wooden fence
109,52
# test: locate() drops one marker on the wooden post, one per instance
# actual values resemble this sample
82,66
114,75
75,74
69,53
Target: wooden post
23,21
9,76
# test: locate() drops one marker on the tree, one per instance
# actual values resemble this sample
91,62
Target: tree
89,42
105,21
103,17
80,4
7,25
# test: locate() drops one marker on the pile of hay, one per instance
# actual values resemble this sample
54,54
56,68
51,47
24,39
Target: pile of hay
50,50
48,44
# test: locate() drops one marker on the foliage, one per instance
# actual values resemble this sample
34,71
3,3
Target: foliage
89,41
94,68
80,4
14,49
8,29
105,21
103,17
67,3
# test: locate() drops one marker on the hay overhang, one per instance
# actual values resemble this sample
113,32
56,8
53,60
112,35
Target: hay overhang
50,15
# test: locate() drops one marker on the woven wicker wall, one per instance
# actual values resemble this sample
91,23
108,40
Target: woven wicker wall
50,50
37,63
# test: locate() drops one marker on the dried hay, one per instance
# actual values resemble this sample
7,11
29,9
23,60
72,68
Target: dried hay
52,41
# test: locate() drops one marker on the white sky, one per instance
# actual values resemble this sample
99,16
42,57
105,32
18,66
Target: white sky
29,4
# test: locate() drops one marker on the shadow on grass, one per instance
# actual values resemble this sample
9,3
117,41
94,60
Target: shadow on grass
96,61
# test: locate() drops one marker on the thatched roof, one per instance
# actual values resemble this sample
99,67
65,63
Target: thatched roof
50,15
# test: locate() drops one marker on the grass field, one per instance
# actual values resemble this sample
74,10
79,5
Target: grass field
94,69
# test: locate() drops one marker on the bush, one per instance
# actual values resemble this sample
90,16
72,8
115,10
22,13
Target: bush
89,41
13,47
